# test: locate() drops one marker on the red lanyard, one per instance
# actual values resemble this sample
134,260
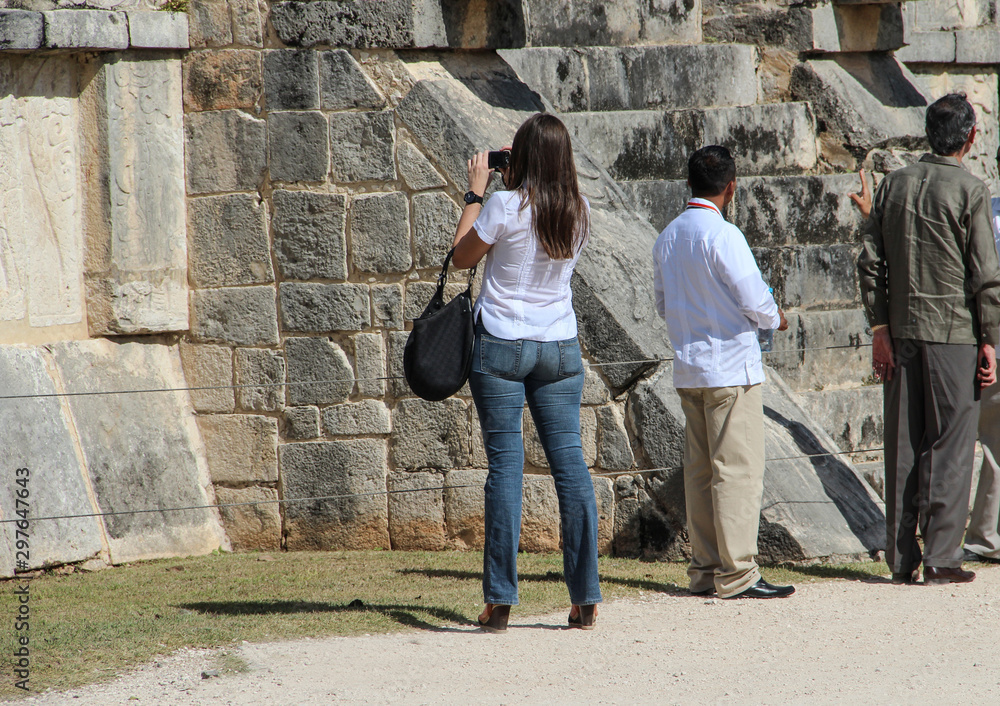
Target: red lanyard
707,207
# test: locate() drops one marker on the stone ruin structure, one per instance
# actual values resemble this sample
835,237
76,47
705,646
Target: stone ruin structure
218,197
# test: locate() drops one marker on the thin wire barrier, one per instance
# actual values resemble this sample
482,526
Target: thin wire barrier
295,383
375,493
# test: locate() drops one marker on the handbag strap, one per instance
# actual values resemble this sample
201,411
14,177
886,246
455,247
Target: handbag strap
443,277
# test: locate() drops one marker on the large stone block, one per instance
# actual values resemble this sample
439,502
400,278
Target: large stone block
539,515
418,296
240,448
387,306
638,78
800,354
291,79
228,241
210,24
248,23
344,85
357,419
594,22
226,151
335,468
85,29
309,236
301,423
246,316
430,434
605,494
250,527
614,450
344,23
853,416
20,29
812,276
141,450
464,506
394,361
221,80
380,233
157,30
417,516
534,452
435,217
856,28
311,307
978,46
928,47
362,146
37,434
298,147
266,368
415,169
208,366
765,139
318,372
369,360
930,15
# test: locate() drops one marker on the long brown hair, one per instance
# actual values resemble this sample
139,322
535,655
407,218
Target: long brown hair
543,170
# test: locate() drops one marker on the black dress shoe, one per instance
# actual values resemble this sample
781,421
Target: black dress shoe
935,576
763,589
704,594
968,555
905,577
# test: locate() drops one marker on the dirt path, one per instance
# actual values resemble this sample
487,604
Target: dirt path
833,642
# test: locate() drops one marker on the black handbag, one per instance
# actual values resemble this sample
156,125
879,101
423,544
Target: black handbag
437,358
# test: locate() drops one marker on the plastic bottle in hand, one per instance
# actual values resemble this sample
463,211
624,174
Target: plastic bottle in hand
765,336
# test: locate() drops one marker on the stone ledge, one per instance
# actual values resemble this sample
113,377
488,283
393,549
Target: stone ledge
928,48
87,29
977,46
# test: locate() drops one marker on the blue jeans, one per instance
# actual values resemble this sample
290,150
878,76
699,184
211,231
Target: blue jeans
550,375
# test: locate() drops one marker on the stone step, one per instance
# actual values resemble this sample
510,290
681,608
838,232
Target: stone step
852,416
771,211
641,77
779,138
822,349
812,276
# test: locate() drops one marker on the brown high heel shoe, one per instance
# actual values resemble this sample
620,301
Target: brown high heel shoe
496,618
585,618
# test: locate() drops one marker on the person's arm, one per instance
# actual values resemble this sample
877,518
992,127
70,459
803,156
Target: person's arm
984,281
469,247
873,279
658,295
737,268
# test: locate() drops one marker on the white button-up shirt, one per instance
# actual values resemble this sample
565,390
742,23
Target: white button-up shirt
710,292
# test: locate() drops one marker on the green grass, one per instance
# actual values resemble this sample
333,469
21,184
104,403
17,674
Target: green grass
88,627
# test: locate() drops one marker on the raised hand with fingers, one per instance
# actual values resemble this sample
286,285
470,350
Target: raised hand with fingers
863,199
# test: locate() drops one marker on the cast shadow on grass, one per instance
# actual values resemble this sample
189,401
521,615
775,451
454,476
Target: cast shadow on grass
846,573
403,614
641,584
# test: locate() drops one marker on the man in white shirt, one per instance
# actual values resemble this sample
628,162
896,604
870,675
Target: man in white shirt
710,292
982,537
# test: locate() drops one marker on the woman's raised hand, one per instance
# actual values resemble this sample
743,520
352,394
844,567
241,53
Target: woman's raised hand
479,173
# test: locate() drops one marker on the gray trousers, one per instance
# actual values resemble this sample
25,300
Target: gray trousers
931,413
983,535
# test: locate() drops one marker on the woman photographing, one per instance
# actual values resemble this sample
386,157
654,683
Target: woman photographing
526,349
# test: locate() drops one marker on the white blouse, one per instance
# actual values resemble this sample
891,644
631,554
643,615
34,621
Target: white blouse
525,293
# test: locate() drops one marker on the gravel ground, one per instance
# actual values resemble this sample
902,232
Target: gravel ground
832,642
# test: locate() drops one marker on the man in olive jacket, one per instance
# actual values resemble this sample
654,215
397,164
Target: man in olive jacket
930,285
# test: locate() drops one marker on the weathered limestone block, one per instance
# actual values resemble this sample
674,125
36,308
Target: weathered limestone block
464,502
246,316
357,419
21,30
853,417
869,100
263,366
331,468
369,360
812,276
928,47
416,517
647,522
251,527
85,29
209,366
604,491
40,200
228,241
978,46
856,28
312,307
362,146
309,236
430,434
240,448
772,139
812,369
221,80
638,78
594,389
478,458
534,452
929,15
141,451
301,423
344,85
317,359
614,450
37,434
226,151
248,24
397,383
539,515
291,79
594,22
210,24
387,305
297,145
418,296
659,201
346,23
157,30
415,169
434,219
380,233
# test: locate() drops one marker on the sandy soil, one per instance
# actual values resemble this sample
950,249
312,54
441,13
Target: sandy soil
832,642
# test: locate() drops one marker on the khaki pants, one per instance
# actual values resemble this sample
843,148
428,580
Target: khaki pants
723,485
983,534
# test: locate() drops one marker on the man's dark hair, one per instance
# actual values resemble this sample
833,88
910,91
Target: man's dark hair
710,169
949,121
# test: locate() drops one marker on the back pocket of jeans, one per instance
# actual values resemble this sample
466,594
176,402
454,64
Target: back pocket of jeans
570,362
498,356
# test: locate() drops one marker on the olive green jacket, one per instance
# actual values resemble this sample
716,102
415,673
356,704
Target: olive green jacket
928,266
